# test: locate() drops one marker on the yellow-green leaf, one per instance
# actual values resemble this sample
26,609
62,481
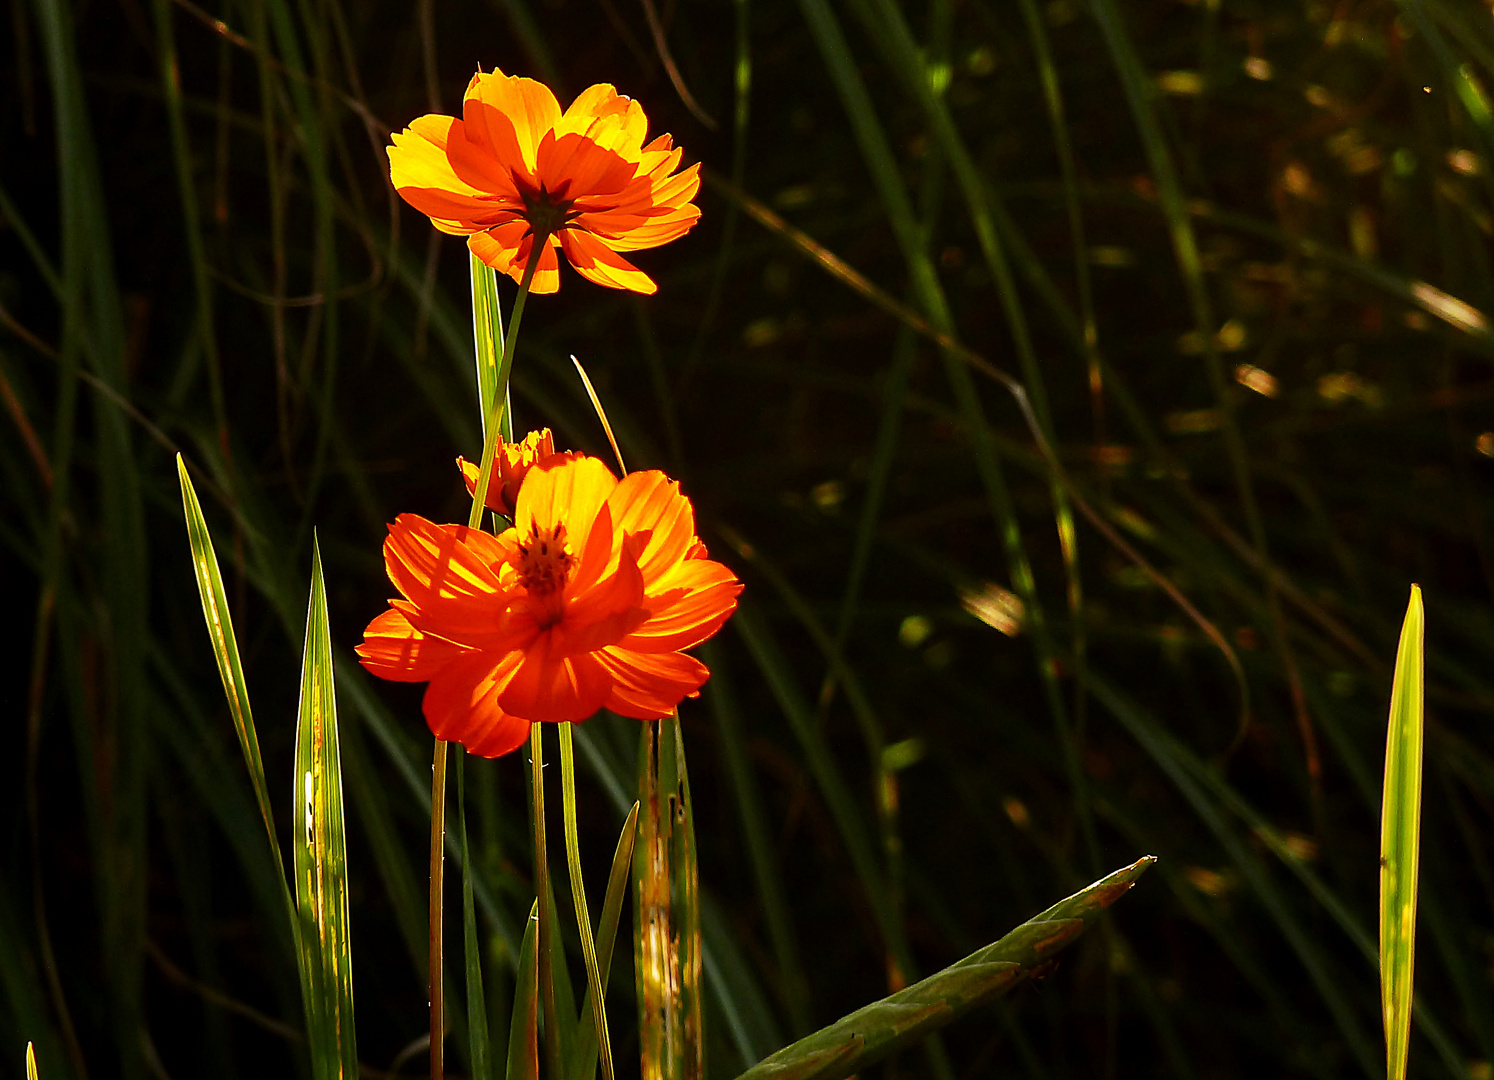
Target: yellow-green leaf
1400,838
321,853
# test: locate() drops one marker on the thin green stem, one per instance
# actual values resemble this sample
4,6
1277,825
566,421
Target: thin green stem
500,393
438,891
542,891
578,893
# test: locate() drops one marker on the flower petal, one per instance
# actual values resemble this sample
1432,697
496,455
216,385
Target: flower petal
461,704
451,577
686,606
512,115
649,687
568,491
393,649
550,687
649,505
598,263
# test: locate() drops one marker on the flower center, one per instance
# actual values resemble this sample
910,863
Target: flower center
545,213
544,568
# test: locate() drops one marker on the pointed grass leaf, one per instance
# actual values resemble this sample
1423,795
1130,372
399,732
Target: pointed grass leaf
871,1033
477,1007
595,991
226,649
321,852
523,1032
487,334
617,890
666,912
31,1073
1400,837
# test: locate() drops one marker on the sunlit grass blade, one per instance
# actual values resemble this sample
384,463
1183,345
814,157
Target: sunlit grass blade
523,1031
487,334
556,999
1400,838
477,1005
320,849
617,891
871,1033
595,991
666,914
225,646
31,1073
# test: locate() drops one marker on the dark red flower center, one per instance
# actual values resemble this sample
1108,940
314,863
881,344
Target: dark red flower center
544,567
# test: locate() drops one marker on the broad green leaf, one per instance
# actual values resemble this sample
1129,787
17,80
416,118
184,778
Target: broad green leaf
321,852
666,913
1400,838
523,1032
869,1034
477,1006
617,889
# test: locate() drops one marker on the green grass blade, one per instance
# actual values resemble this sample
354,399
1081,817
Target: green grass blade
1400,839
487,335
595,991
523,1032
321,852
617,891
557,1001
791,983
666,911
871,1033
226,648
477,1006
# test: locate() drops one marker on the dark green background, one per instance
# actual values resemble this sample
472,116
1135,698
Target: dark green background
199,250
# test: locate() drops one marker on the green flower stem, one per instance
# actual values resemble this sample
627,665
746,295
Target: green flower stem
578,892
438,771
438,874
542,891
500,392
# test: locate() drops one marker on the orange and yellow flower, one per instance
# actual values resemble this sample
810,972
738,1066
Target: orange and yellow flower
516,166
585,603
511,462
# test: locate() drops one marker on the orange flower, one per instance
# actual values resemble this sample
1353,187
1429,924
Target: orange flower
584,604
510,464
515,165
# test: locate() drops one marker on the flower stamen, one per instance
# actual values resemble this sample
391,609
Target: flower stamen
544,567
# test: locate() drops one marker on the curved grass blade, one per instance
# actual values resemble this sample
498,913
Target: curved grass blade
321,852
1400,838
595,991
523,1032
617,890
226,653
869,1034
477,1006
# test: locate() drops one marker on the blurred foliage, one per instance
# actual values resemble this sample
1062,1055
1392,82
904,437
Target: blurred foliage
1237,253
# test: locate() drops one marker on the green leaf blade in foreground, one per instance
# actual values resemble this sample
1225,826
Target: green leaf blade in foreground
1400,838
869,1034
487,334
226,649
321,853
